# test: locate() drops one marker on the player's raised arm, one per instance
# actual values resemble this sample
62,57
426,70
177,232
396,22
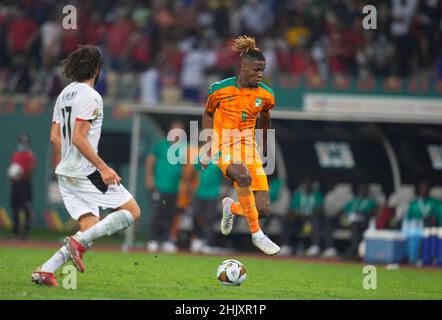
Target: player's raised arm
80,140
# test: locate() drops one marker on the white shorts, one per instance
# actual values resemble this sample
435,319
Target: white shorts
86,195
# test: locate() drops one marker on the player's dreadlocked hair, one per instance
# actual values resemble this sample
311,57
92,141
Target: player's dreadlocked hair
82,64
246,47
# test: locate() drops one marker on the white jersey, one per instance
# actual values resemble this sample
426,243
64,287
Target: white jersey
77,102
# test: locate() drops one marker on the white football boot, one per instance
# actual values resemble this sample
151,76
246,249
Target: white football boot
262,242
227,219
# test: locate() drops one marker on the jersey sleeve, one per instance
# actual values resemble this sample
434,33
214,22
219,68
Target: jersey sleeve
270,103
90,109
212,101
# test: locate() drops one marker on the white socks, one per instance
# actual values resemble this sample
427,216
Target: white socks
257,234
59,258
56,261
114,222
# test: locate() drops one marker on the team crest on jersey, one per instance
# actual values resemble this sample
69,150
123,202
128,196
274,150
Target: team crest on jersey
96,114
258,102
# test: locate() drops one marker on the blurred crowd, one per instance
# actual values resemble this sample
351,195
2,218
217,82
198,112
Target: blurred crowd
186,43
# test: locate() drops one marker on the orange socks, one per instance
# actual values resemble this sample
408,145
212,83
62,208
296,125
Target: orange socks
247,202
236,209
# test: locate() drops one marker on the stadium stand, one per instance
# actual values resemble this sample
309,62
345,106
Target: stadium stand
300,38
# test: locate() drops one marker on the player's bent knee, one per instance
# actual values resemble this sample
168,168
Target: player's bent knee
86,221
244,179
133,208
135,211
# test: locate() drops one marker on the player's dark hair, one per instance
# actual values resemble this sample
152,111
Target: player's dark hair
246,47
82,64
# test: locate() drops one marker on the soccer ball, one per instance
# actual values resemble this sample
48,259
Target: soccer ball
231,273
15,171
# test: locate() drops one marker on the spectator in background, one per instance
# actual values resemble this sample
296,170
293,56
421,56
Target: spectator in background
195,63
255,17
422,212
423,207
269,51
226,58
23,163
356,214
51,33
19,80
430,41
22,34
402,12
140,40
95,28
140,51
275,186
298,35
162,178
150,86
383,56
118,37
303,219
54,82
317,37
235,18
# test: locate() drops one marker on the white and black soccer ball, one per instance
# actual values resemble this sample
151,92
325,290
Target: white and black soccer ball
231,273
15,171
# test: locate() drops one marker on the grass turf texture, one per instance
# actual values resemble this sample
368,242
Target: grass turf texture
114,275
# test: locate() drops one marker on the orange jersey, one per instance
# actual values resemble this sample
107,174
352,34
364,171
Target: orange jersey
237,108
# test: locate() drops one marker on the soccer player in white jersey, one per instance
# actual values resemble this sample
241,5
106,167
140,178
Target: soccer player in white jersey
86,182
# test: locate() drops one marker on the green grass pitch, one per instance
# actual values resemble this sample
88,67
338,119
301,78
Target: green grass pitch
138,275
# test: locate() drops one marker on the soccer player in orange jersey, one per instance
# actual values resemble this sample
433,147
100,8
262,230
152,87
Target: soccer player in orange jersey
234,107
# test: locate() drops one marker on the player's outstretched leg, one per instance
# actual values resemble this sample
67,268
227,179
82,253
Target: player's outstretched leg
240,174
116,221
45,275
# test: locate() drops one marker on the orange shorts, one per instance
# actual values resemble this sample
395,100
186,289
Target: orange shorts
248,156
